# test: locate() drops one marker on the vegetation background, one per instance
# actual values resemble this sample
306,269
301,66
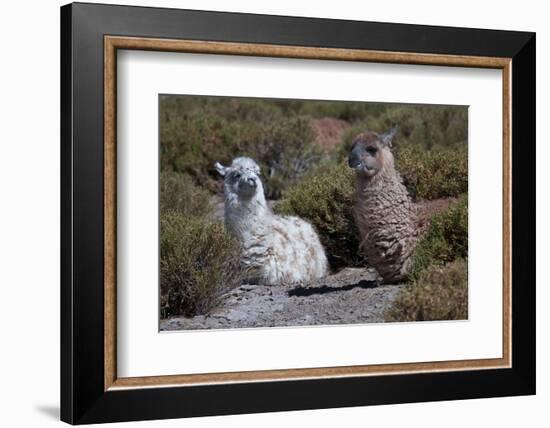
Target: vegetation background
302,147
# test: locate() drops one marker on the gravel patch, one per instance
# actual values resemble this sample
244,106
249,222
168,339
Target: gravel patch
352,296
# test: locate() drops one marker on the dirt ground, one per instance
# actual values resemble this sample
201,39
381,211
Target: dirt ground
352,296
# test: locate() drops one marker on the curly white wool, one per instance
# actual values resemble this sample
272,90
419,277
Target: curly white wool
276,249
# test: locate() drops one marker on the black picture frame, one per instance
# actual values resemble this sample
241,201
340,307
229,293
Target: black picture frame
83,398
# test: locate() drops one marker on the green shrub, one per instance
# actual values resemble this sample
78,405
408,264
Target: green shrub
227,108
324,198
435,173
285,153
179,193
344,110
191,143
422,126
439,293
199,261
445,240
195,133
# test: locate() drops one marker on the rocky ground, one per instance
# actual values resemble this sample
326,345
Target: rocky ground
351,296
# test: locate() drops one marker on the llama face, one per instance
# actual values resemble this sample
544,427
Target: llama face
368,152
242,177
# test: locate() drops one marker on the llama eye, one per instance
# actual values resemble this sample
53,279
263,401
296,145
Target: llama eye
237,176
371,150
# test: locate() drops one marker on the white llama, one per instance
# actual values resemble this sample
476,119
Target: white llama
276,249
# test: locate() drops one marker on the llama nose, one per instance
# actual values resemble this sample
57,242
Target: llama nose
354,160
251,182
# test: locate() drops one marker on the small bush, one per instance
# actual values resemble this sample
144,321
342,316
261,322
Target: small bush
421,126
199,261
435,173
226,108
439,293
285,152
324,198
192,142
197,132
445,240
348,111
179,193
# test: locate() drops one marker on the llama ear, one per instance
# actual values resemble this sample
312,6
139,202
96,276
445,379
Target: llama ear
222,170
387,137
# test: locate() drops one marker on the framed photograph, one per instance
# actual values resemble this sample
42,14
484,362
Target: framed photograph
267,213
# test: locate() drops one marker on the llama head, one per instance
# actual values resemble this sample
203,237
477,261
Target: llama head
370,152
242,178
